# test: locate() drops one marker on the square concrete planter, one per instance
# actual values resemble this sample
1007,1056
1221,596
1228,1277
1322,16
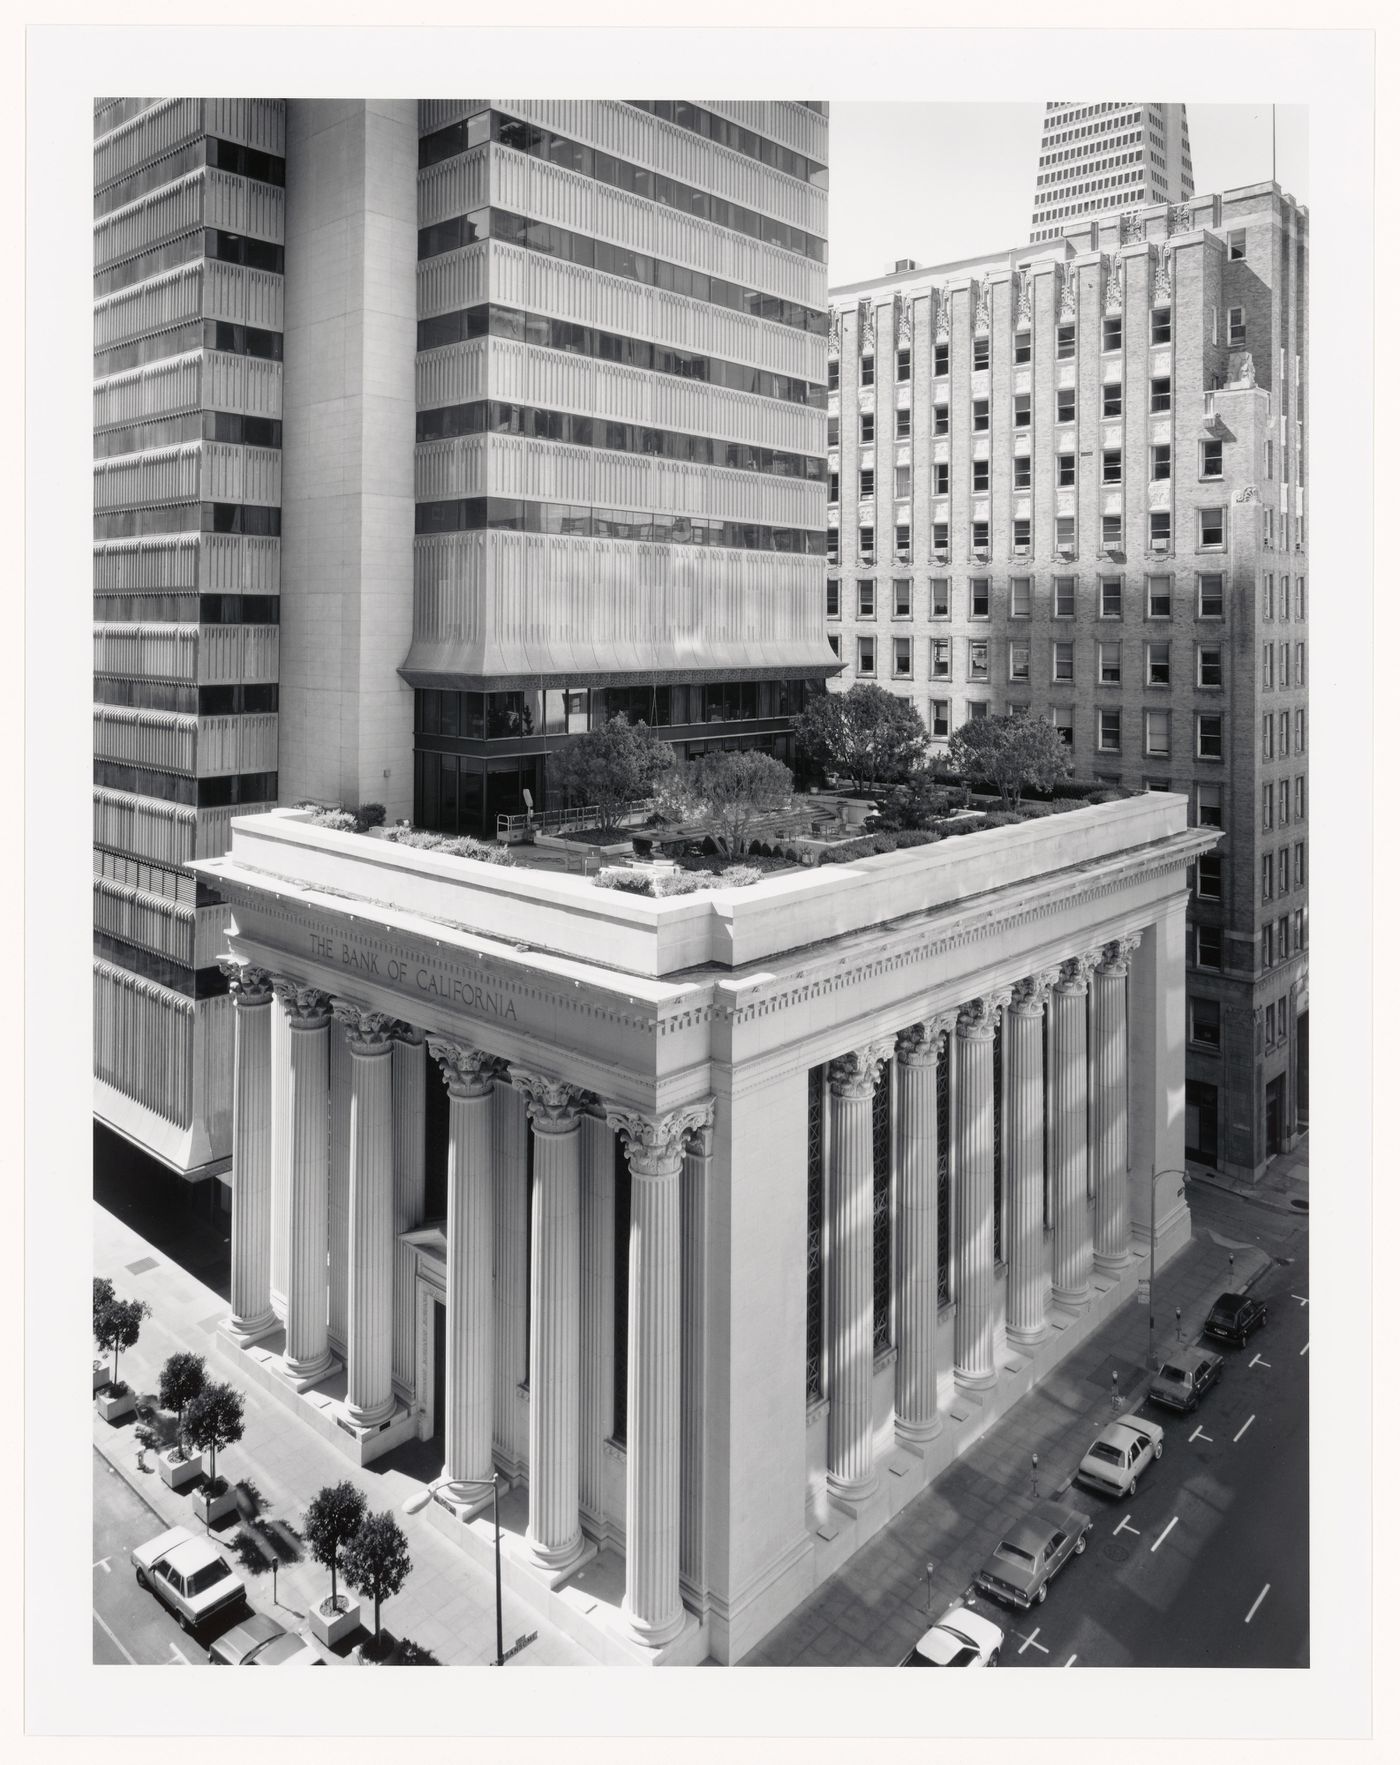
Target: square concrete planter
179,1473
116,1408
332,1627
101,1374
212,1508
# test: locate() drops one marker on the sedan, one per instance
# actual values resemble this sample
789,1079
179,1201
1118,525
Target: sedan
259,1641
1181,1381
960,1638
1021,1568
1120,1455
1234,1315
189,1575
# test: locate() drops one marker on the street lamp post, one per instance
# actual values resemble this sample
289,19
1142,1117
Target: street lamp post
1152,1259
493,1483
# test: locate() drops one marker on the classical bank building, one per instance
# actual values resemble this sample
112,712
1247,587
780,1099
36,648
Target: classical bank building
717,1225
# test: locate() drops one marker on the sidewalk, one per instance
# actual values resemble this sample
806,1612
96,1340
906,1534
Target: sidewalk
1283,1186
447,1606
872,1610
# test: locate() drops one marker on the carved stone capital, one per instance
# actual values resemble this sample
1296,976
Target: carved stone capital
1074,976
1028,996
410,1034
655,1145
466,1071
857,1073
366,1031
307,1008
1114,958
977,1019
553,1106
922,1042
249,984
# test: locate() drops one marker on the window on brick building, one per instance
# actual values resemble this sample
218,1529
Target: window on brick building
1113,465
1021,472
977,659
981,537
940,477
865,655
833,431
1205,1022
833,487
1209,876
1159,597
1212,459
940,419
1156,734
867,426
1064,343
901,541
1113,400
867,370
867,481
1110,597
1161,397
939,666
903,590
833,545
981,352
833,374
1022,350
1266,877
1020,597
1212,597
979,597
1064,405
1236,327
1161,460
1161,324
1210,805
1019,660
1064,660
903,482
1236,245
866,538
902,365
940,360
902,419
1110,663
1210,735
939,538
981,415
1212,529
1266,807
1159,529
865,597
1210,942
1023,410
981,474
938,716
1063,718
1065,469
1210,667
902,665
1110,731
1021,535
938,597
833,597
1112,533
1113,333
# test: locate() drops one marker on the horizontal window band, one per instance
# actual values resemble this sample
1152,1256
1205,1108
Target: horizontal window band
477,514
188,609
752,145
178,787
194,983
213,150
157,346
248,518
258,698
197,242
158,432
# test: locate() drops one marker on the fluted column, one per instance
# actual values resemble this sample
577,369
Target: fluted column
1024,1141
1073,1249
850,1424
369,1392
1110,1067
920,1048
281,1156
974,1173
655,1149
250,1273
308,1016
554,1536
471,1335
695,1196
410,1181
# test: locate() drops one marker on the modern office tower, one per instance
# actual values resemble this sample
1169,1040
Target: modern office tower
1096,159
1071,479
187,404
552,398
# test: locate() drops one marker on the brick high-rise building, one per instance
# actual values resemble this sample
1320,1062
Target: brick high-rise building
1070,478
1096,159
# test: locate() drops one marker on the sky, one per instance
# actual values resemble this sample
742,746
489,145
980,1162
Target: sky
938,182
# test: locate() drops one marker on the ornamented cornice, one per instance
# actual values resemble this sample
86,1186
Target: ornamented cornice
833,329
921,1043
466,1071
982,322
1028,996
655,1145
1130,227
249,984
1178,218
1113,286
307,1008
943,314
1069,293
1162,280
366,1031
903,319
553,1106
1247,493
1023,298
1074,975
866,312
977,1019
855,1074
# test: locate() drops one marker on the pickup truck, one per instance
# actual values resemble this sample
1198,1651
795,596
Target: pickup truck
190,1575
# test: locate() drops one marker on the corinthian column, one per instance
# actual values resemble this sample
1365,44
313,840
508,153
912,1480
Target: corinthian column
655,1148
250,1274
1025,1155
1073,1250
975,1175
410,1179
554,1536
920,1048
308,1015
471,1336
369,1392
1110,1064
850,1425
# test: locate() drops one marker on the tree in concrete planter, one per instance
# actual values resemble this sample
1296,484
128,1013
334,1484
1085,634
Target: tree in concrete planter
873,735
118,1326
609,767
334,1517
214,1420
376,1561
734,790
182,1378
1010,753
103,1293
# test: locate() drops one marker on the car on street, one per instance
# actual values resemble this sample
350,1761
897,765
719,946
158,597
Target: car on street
1034,1550
260,1641
1234,1316
190,1575
960,1638
1120,1455
1184,1377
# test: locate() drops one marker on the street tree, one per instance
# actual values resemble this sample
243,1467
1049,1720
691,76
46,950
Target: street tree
103,1293
334,1517
376,1561
182,1378
118,1326
610,767
214,1420
734,790
873,735
1010,753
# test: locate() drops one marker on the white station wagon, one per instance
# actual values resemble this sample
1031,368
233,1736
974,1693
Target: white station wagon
1120,1455
189,1574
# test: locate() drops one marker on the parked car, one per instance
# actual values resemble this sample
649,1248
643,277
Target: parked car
260,1641
960,1638
1234,1316
1034,1550
1120,1455
1184,1377
190,1575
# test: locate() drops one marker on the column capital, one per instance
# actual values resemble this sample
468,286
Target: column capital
466,1071
307,1008
553,1105
366,1032
1074,976
856,1074
1114,958
409,1034
656,1144
249,984
1028,996
919,1045
977,1019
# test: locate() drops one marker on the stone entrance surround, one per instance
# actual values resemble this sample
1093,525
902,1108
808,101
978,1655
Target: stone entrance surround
683,1033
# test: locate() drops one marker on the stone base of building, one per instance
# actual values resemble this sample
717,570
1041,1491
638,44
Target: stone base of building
321,1405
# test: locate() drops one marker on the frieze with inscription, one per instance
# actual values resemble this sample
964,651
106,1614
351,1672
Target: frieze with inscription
412,971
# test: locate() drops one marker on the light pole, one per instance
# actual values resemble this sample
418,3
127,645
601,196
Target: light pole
1152,1258
493,1483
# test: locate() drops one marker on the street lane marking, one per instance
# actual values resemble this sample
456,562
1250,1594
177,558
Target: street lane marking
1031,1643
1070,1662
1256,1362
114,1637
1123,1526
179,1660
1243,1430
1197,1435
1169,1525
104,1564
1303,1349
1259,1602
1299,1297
